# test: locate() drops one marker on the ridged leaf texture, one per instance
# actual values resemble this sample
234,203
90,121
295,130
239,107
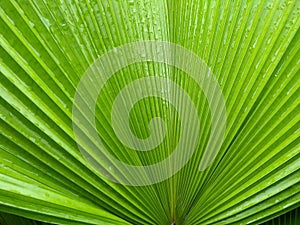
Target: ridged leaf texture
252,48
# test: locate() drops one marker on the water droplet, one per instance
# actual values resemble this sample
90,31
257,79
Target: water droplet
12,22
32,139
269,6
46,22
31,23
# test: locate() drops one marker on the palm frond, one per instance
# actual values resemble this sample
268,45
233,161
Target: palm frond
252,49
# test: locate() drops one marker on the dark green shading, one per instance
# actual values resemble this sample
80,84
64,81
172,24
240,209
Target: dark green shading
9,219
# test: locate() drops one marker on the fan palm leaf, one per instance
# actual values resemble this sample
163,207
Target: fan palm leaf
252,50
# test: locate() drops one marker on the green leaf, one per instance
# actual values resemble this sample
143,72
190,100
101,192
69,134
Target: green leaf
252,49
